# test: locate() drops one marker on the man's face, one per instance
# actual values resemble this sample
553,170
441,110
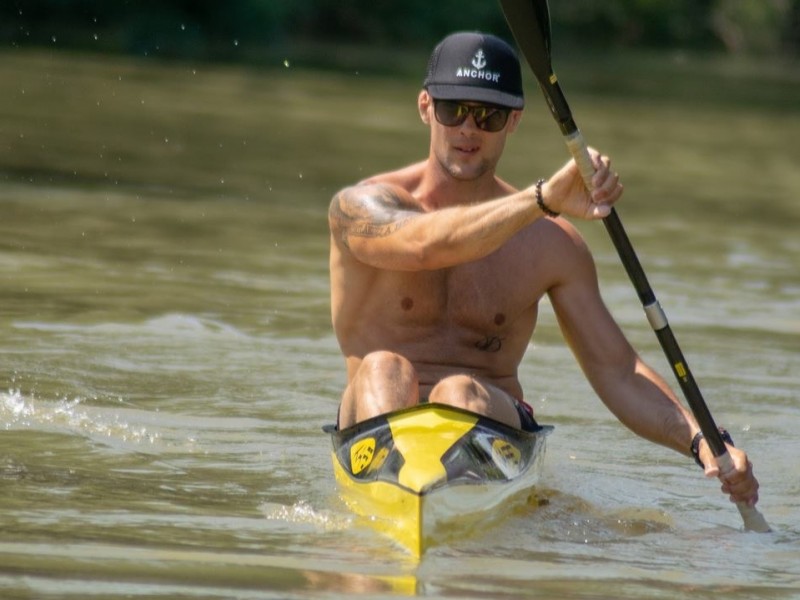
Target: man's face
466,151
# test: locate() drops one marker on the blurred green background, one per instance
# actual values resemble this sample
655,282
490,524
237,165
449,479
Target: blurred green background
194,95
263,30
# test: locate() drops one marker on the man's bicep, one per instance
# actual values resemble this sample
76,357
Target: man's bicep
369,211
586,322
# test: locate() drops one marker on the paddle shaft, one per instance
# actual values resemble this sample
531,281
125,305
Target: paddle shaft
529,21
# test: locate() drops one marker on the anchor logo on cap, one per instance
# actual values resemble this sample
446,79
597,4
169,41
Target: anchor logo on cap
479,60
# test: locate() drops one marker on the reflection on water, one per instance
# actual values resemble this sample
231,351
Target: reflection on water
167,358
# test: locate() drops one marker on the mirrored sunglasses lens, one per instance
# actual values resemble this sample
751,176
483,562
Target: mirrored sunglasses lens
492,119
453,114
450,113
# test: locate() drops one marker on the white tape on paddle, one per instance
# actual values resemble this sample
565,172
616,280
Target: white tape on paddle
656,316
580,152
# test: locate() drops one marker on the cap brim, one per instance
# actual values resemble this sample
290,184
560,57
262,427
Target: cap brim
475,94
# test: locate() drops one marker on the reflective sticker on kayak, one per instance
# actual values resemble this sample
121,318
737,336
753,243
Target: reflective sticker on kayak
361,454
506,456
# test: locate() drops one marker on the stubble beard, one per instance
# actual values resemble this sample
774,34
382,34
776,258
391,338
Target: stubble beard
461,172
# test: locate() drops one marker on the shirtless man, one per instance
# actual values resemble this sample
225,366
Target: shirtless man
437,270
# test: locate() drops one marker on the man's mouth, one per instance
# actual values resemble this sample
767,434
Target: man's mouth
467,149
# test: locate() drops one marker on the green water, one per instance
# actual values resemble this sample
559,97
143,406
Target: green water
167,357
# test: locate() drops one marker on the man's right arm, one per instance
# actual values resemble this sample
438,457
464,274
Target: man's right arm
382,225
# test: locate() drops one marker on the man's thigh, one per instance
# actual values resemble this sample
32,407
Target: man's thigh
479,396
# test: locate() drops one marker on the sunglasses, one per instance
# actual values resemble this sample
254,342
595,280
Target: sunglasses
488,118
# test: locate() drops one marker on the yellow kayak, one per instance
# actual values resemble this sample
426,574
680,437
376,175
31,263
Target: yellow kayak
427,472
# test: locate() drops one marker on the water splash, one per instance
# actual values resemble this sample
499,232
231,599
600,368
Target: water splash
302,513
18,411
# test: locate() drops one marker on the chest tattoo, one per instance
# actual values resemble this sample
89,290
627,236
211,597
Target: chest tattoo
490,343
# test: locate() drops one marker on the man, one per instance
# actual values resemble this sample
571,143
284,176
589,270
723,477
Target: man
437,270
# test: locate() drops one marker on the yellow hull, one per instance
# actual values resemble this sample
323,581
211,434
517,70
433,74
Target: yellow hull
414,474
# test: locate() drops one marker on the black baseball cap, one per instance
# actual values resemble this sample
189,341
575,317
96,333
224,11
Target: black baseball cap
475,66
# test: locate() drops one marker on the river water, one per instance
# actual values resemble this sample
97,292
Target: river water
168,361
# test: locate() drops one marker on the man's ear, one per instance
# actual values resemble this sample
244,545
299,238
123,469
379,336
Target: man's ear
514,118
424,103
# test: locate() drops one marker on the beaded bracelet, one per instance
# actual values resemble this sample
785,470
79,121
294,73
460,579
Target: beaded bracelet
540,201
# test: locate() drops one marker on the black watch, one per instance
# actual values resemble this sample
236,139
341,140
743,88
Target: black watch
695,447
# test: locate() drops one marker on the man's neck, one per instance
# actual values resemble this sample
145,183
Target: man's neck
439,189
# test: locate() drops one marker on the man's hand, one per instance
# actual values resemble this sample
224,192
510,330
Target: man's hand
566,193
739,483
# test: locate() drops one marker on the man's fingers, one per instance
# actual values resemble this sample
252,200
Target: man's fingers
605,182
600,211
740,485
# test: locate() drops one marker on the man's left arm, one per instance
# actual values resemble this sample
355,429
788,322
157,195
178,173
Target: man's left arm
634,392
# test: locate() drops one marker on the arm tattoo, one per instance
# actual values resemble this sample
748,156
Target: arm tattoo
368,211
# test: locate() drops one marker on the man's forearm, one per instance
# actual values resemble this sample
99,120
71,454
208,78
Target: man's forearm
645,404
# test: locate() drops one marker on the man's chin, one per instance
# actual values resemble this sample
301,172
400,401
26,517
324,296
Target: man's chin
465,172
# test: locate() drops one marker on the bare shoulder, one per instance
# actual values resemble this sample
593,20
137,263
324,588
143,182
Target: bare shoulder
391,189
374,207
367,209
407,177
562,251
369,199
566,233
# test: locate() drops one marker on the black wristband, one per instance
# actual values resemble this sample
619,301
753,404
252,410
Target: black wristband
695,447
540,201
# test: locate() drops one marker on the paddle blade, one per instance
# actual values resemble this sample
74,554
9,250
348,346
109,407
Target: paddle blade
753,520
529,21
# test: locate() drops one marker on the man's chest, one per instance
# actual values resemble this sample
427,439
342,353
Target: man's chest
484,296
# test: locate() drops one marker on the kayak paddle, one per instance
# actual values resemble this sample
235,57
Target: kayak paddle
529,21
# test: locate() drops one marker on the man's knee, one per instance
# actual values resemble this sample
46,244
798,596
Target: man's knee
383,363
384,382
462,391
